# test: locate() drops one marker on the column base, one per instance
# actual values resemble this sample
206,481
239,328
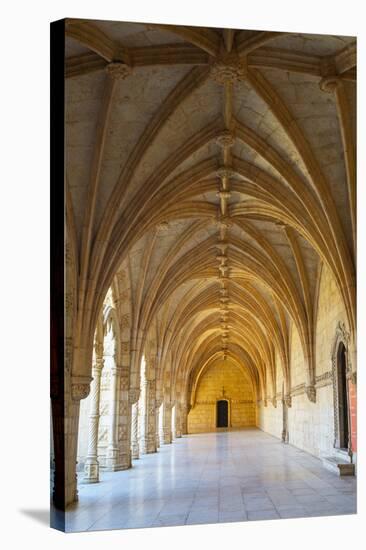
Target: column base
135,452
167,438
91,471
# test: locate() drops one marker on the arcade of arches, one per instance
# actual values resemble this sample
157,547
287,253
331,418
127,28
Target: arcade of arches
210,241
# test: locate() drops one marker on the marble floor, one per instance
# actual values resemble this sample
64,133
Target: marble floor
229,476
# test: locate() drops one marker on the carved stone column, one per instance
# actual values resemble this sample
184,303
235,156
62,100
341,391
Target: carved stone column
80,387
167,423
148,439
112,449
91,469
124,422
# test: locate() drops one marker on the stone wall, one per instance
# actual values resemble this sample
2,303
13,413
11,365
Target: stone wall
310,425
237,390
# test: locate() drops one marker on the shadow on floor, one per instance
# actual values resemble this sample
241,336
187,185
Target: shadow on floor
41,516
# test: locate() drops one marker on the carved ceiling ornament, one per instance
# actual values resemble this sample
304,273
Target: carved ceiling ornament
118,71
225,139
228,68
328,84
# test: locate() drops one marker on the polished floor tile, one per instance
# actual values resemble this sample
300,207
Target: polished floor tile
243,475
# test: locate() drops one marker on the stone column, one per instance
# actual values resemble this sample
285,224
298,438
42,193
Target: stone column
148,439
167,422
91,469
157,438
184,418
124,422
134,431
161,425
178,420
80,387
112,449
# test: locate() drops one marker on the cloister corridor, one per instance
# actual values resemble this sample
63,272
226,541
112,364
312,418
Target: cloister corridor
227,476
210,277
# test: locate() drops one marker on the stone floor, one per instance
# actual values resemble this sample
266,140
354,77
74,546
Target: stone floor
229,476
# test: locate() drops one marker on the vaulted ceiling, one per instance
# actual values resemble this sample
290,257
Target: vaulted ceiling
210,173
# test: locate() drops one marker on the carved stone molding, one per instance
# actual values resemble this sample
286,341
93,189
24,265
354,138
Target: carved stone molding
228,68
274,401
324,379
118,71
80,387
298,390
311,393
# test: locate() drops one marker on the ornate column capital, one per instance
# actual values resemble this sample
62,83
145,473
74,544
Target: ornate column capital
118,71
80,387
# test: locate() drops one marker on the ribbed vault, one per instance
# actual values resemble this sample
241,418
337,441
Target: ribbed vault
210,175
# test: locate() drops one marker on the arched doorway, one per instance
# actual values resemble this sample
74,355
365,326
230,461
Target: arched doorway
342,398
222,413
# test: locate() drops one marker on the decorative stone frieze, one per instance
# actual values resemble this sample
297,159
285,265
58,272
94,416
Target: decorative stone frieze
325,379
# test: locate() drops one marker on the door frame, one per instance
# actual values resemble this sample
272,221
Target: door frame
342,337
228,412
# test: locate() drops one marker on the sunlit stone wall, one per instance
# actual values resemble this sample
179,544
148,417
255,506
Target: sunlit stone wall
222,378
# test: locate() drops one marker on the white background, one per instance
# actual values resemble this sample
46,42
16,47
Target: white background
24,272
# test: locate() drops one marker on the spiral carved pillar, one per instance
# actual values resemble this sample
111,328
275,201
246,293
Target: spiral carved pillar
134,400
91,469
